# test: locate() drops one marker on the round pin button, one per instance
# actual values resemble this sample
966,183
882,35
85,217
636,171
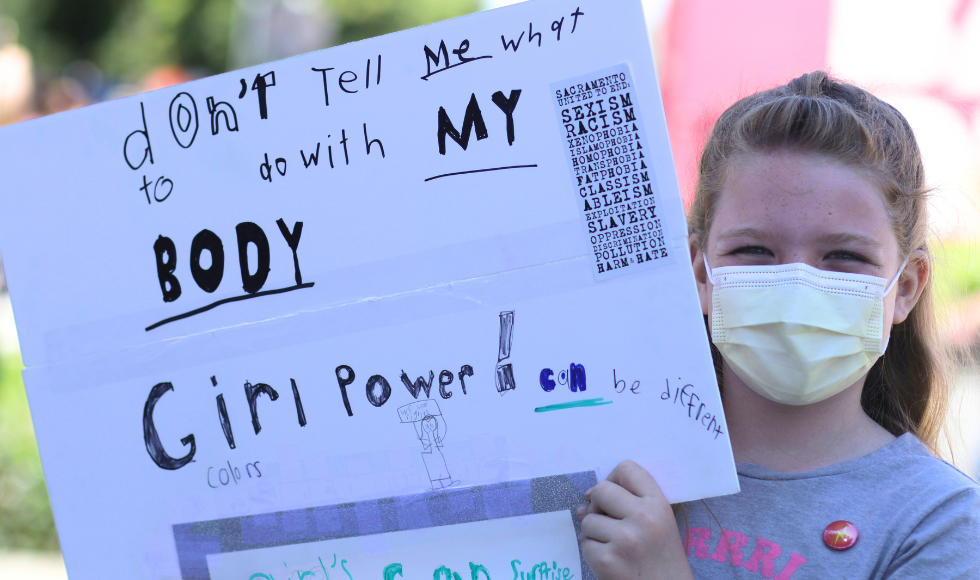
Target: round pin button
840,535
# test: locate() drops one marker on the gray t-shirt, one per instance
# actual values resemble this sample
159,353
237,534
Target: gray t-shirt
917,517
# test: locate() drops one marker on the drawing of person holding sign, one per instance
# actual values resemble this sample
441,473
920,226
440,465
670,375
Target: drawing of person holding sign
808,240
430,428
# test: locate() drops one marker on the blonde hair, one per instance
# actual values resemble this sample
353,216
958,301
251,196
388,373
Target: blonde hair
907,389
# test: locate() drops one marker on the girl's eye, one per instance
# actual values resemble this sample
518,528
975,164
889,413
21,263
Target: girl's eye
846,256
758,250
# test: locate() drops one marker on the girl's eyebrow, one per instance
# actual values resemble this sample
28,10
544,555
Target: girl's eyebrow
837,238
744,232
843,238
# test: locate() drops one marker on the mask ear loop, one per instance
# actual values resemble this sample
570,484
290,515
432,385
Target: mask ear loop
888,289
707,268
894,281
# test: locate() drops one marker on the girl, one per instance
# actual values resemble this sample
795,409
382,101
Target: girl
808,238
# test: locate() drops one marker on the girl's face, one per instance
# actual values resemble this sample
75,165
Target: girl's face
784,208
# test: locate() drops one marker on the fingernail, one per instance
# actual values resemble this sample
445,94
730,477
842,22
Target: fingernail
581,509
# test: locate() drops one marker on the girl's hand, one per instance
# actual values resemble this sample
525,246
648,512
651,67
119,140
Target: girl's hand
628,529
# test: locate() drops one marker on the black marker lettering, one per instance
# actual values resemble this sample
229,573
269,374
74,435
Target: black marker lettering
472,116
326,93
162,181
445,379
314,157
165,269
292,239
252,393
420,384
531,34
300,414
556,27
147,151
434,58
464,371
370,143
578,12
217,110
459,52
510,43
440,58
507,105
343,382
182,118
343,81
249,233
146,189
373,397
209,279
225,423
265,169
152,439
261,84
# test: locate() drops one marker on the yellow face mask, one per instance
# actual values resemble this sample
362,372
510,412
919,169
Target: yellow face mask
796,334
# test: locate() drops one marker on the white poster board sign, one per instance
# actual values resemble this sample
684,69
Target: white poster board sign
425,285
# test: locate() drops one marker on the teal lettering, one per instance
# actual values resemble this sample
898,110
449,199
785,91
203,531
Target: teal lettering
475,569
445,573
539,571
342,565
392,570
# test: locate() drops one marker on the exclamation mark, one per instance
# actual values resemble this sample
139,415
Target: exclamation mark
505,372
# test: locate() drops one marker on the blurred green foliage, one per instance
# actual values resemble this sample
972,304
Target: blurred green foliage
128,38
26,522
360,19
957,272
150,33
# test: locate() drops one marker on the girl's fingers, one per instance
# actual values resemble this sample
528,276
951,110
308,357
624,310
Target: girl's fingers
599,528
636,480
612,500
593,551
617,495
